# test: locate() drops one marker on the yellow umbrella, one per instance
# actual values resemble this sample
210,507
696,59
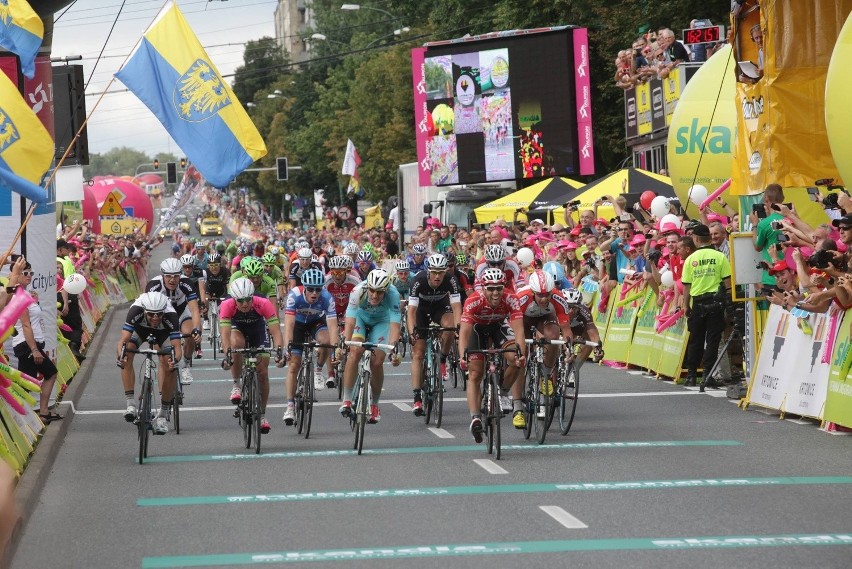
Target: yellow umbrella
531,197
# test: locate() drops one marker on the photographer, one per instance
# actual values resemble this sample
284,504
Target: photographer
586,217
765,235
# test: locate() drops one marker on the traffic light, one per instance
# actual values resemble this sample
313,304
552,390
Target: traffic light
171,173
156,164
183,163
281,166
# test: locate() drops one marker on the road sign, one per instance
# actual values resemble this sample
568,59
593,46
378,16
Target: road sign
112,206
123,226
344,213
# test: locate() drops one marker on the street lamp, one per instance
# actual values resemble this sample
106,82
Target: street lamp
356,7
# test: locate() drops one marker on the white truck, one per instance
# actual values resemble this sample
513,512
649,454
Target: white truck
450,204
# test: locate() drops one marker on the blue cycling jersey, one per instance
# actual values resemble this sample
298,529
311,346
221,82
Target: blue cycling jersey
414,266
403,288
306,312
386,310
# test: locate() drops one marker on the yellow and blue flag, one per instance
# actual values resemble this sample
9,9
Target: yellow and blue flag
21,32
26,148
170,72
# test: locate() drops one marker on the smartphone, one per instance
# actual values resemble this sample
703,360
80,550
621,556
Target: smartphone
759,210
813,192
783,238
776,207
13,258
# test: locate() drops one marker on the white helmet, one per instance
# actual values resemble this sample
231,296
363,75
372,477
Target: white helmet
402,265
170,266
572,295
378,279
494,253
153,301
187,260
241,288
436,262
541,282
338,262
305,253
493,276
419,249
351,249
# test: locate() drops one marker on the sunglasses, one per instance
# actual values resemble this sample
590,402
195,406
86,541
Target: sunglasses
841,228
313,289
543,294
28,273
244,300
436,273
496,263
213,265
376,291
172,276
338,272
494,288
154,314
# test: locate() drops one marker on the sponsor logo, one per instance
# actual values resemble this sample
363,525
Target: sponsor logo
697,139
752,108
755,161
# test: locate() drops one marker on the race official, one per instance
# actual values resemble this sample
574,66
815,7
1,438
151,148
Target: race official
704,273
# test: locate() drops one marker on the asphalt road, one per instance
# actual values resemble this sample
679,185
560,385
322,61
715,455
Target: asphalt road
651,475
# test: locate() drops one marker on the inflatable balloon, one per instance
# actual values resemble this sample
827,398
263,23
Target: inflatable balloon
646,198
75,283
670,218
659,206
525,257
667,279
697,194
359,220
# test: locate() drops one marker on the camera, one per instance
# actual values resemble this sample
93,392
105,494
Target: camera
830,201
777,225
572,204
654,255
820,259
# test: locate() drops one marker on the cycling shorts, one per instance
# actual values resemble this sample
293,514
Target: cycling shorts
539,322
303,331
487,336
426,314
161,338
377,332
256,335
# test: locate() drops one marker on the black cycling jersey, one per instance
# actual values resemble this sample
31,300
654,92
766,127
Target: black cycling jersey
217,285
296,270
180,297
136,323
422,292
582,317
197,276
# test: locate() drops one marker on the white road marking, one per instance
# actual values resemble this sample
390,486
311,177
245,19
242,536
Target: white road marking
636,373
403,407
441,433
563,517
489,466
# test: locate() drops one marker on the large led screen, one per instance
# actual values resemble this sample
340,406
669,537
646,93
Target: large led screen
502,108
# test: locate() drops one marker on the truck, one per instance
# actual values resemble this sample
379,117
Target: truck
450,204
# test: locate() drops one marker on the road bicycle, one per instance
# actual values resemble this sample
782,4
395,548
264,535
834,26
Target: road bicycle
433,384
568,384
213,321
340,367
539,404
363,392
305,388
456,372
145,405
248,411
402,343
490,395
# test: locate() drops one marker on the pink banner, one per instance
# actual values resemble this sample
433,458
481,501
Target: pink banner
421,128
582,82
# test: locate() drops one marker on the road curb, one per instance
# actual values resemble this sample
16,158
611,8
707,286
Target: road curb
38,469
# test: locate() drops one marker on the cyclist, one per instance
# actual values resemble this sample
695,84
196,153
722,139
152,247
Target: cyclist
434,297
365,264
495,257
309,314
201,259
402,280
150,314
247,319
372,315
545,311
198,277
465,285
582,326
339,282
417,259
217,277
252,269
351,250
484,318
184,299
305,262
271,269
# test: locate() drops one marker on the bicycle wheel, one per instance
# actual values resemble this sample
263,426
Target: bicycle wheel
439,401
427,388
568,398
543,407
299,399
489,414
361,415
339,369
531,373
245,408
214,334
144,418
177,401
498,413
257,412
307,404
453,362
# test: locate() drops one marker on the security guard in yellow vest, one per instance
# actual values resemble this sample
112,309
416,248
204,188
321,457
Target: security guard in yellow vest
704,273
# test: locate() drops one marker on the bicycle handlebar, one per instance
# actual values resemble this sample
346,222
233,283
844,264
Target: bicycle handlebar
545,341
311,345
368,345
493,351
587,343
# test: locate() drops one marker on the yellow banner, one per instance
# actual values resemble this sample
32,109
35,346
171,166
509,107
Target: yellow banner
123,226
643,108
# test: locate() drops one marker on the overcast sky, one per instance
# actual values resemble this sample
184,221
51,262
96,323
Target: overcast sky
222,26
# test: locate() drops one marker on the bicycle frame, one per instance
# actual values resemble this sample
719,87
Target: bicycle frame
145,410
363,391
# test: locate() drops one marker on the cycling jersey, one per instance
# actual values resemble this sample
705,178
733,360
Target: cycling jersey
363,274
514,278
464,283
478,311
555,310
340,292
262,312
217,285
414,266
421,291
372,323
197,276
581,317
306,312
180,297
403,288
296,270
200,263
136,323
267,287
276,275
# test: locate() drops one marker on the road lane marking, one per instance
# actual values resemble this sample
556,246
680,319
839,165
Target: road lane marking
403,407
564,518
489,466
441,433
674,543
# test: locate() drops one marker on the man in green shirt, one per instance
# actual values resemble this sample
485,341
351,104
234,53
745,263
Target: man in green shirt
445,242
705,300
765,236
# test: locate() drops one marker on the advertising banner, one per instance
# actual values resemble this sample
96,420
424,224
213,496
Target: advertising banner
777,358
642,349
838,403
807,393
672,349
643,109
619,333
583,86
421,128
602,317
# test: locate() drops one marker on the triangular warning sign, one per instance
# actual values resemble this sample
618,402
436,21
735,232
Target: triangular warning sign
111,207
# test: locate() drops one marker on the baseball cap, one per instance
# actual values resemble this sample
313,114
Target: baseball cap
637,240
701,230
536,222
600,221
575,232
845,220
778,267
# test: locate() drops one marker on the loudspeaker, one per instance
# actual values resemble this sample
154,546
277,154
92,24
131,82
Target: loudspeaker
69,112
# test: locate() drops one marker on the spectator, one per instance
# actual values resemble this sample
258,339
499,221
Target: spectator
699,51
765,236
393,218
756,37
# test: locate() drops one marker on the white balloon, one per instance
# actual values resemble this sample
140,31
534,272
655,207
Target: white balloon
670,218
75,283
359,220
525,257
659,206
667,279
697,194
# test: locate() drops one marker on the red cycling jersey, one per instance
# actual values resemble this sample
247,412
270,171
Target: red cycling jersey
514,278
341,292
478,311
557,309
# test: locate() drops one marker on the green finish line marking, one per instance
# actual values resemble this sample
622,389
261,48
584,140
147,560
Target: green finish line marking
435,449
497,548
492,489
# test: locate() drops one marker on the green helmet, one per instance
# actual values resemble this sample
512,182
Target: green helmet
252,268
268,259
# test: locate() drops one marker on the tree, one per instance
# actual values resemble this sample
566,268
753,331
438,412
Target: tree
264,62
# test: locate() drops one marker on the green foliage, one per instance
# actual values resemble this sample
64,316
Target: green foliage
124,161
